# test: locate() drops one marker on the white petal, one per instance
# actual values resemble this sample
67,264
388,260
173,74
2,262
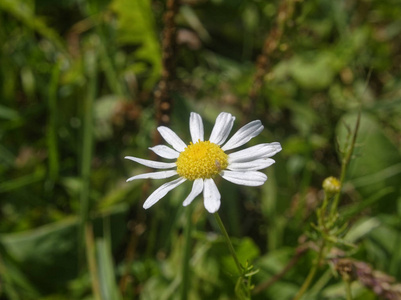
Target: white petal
211,196
251,165
222,128
162,191
243,135
165,152
151,163
250,178
196,127
154,175
255,152
172,138
197,188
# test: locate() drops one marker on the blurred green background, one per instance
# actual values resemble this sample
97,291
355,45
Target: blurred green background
76,95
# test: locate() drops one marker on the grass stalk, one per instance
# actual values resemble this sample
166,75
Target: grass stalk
344,166
87,138
91,258
228,242
348,289
52,141
86,230
186,274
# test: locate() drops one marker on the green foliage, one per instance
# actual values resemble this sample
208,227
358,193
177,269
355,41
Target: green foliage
76,95
47,255
136,28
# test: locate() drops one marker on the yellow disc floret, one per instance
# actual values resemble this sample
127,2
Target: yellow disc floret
201,160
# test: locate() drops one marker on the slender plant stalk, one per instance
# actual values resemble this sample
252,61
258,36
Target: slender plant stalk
333,211
271,43
348,289
109,67
346,160
344,166
311,275
51,137
229,244
163,95
8,285
87,138
86,230
105,58
91,257
186,274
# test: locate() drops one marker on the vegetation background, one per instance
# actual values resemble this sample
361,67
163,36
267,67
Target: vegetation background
85,83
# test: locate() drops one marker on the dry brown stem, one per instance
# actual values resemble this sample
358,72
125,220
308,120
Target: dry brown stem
163,104
272,41
162,95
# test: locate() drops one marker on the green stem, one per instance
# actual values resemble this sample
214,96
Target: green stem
87,142
348,289
187,255
51,137
229,244
85,227
311,274
92,265
345,162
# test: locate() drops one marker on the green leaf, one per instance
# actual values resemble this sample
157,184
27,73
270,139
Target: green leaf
246,251
25,14
107,279
48,255
14,282
8,113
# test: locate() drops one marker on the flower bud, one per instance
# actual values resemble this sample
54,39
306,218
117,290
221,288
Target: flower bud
331,185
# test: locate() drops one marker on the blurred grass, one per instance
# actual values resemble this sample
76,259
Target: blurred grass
76,86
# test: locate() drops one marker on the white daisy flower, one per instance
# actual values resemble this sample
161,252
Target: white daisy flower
201,160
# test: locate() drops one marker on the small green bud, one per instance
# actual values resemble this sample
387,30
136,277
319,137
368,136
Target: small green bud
331,185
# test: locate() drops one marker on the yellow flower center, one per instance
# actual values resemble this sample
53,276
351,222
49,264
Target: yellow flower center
201,160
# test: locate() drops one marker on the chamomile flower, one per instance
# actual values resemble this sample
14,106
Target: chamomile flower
201,160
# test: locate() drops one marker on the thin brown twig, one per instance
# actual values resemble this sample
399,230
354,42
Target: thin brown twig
163,102
162,96
272,41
